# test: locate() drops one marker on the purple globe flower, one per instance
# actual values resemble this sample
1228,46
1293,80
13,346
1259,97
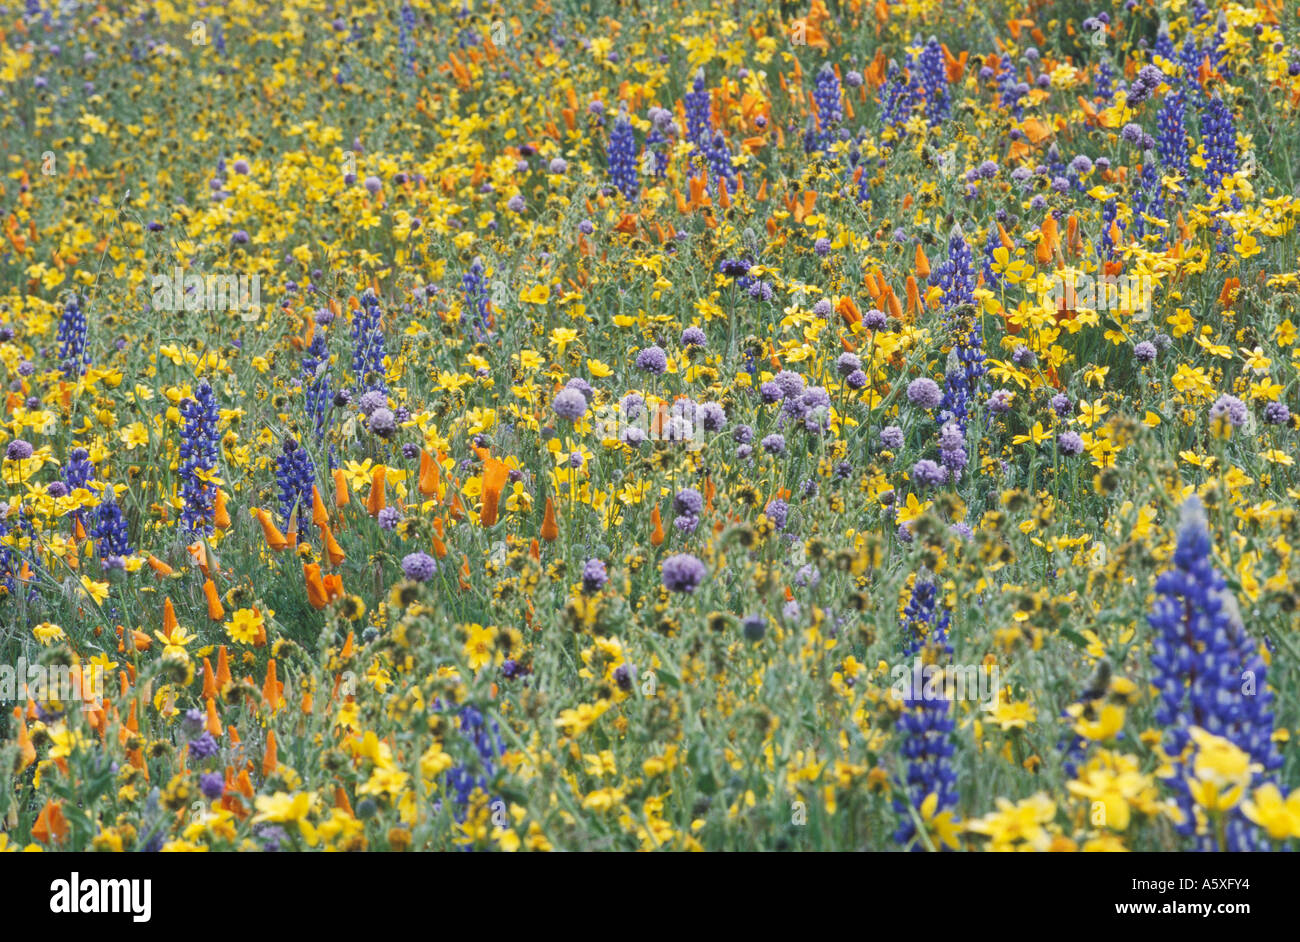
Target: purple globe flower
582,386
683,573
693,337
790,383
382,422
570,404
1000,401
778,511
926,473
652,360
1144,352
1230,409
594,576
874,320
373,185
19,450
1276,413
1070,443
774,444
212,784
688,501
372,401
924,392
712,416
204,747
419,566
891,437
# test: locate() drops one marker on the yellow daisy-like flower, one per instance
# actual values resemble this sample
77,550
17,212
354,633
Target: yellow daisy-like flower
244,625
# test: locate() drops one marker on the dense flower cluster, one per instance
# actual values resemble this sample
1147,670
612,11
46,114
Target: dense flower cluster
560,404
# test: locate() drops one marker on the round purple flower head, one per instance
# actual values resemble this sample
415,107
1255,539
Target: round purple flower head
688,501
846,363
594,576
1144,352
1231,409
1000,401
693,337
683,573
790,383
924,392
582,386
570,404
212,784
382,422
652,360
891,437
370,401
1276,413
1070,443
19,450
774,444
419,566
926,473
712,416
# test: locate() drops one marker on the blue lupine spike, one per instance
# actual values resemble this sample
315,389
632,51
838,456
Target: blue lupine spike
827,94
1104,82
198,452
1171,137
622,157
475,290
316,383
110,529
934,80
1201,655
73,355
368,351
1010,88
295,473
925,725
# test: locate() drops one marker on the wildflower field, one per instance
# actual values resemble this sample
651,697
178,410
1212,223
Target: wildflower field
557,425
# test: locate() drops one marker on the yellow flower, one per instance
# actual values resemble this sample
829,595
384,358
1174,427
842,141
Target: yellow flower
1279,817
943,827
244,625
1012,715
561,337
479,646
1220,772
96,590
577,721
1112,780
283,808
47,633
1018,826
1108,721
